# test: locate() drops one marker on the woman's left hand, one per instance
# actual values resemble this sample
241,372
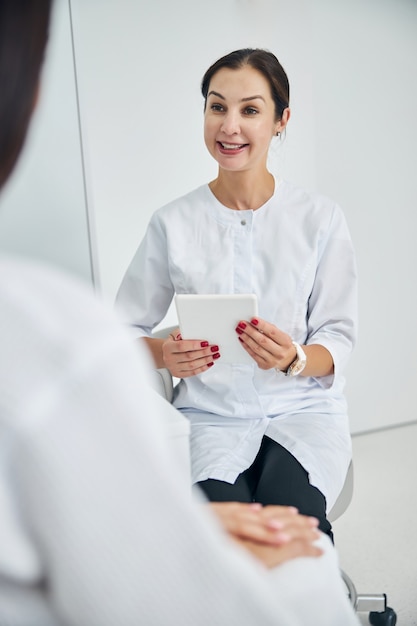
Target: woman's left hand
266,344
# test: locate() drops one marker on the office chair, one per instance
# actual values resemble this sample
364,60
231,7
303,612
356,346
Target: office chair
379,613
376,604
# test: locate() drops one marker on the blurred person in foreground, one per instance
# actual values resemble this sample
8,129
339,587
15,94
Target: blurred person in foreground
96,527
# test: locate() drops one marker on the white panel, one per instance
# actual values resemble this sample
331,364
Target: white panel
42,208
366,103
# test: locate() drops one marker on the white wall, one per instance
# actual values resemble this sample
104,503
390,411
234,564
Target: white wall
43,208
365,95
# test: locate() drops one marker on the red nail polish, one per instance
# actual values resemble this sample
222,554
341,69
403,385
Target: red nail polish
214,348
242,325
255,322
241,340
204,344
238,330
210,364
216,356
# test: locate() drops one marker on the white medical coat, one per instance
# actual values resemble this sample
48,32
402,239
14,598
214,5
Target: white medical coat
295,253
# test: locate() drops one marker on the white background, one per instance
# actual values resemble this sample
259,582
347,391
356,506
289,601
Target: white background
352,136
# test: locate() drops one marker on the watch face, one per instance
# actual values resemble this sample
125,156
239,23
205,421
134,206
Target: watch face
297,368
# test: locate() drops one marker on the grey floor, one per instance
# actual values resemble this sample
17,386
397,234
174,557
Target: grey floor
377,536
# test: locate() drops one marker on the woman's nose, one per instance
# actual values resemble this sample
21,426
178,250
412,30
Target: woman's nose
231,125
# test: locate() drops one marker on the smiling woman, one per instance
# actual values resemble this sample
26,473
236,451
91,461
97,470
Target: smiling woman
246,104
274,430
237,131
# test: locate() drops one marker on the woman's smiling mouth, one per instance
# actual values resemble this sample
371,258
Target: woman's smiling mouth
231,147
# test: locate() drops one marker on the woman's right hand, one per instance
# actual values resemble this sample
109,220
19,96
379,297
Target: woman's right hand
188,357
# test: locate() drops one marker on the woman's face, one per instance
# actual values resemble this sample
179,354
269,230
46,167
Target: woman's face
239,119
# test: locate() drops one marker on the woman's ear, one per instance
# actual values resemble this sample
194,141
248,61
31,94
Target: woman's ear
286,114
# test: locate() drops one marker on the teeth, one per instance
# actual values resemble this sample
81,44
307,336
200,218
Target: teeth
231,146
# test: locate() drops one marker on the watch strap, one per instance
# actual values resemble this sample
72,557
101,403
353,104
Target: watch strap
299,363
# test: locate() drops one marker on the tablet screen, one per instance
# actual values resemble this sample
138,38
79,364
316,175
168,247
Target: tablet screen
213,318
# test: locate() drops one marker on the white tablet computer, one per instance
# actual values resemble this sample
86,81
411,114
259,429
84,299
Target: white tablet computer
214,318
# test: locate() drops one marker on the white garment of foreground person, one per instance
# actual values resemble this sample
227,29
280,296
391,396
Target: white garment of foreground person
98,527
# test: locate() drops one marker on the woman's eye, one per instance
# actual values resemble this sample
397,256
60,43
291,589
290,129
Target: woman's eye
216,107
251,111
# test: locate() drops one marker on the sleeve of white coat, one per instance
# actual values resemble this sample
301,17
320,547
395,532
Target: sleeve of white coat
146,290
333,305
306,579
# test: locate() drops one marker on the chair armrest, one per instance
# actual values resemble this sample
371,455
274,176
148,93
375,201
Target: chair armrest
161,381
344,498
176,425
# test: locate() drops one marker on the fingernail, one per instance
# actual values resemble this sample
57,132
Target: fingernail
239,331
255,322
214,348
216,356
210,364
204,344
241,325
241,340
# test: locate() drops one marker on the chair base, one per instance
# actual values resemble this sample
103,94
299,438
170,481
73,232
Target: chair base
379,613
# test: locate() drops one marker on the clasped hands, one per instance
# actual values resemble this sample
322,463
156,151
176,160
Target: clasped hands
272,534
265,343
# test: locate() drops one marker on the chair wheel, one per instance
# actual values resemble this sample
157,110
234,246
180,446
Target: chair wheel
385,618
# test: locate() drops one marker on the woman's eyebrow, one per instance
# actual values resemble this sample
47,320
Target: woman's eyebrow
252,98
215,93
248,99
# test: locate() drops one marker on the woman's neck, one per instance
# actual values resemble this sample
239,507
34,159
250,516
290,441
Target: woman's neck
243,190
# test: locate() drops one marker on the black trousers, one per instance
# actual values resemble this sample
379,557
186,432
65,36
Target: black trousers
275,477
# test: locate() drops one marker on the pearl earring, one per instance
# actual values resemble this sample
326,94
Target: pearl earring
278,134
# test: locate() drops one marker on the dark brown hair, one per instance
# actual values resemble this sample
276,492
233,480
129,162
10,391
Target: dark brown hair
24,28
262,60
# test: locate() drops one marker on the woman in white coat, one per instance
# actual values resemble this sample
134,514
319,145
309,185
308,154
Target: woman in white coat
275,431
